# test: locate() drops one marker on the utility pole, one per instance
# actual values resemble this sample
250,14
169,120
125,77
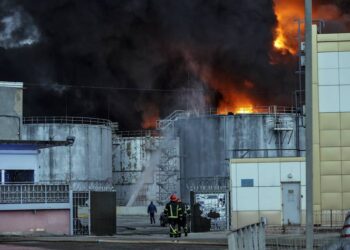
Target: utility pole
308,99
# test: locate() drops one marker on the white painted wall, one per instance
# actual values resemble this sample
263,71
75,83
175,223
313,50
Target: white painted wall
266,194
19,160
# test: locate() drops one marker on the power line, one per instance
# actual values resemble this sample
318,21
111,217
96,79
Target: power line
63,86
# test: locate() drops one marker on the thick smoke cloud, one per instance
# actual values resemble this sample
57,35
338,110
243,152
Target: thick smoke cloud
140,44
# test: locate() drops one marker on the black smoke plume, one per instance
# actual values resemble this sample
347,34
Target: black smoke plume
139,44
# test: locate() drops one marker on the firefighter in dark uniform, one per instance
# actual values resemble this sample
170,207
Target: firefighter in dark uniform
173,211
183,219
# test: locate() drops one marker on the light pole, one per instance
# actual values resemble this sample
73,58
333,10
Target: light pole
308,102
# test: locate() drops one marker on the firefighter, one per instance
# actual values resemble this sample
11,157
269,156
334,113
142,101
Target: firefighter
182,223
173,211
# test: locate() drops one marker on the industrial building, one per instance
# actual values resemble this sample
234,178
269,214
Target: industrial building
54,172
331,122
204,148
244,166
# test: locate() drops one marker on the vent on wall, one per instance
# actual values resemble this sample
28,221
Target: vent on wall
247,182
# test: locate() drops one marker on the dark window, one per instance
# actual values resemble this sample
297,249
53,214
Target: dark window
247,182
19,176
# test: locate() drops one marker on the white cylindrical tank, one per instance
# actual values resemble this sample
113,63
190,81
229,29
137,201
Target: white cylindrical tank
85,164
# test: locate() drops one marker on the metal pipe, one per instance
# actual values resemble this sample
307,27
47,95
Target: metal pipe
308,98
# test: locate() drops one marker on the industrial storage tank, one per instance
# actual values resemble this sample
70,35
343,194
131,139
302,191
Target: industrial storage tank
87,164
208,142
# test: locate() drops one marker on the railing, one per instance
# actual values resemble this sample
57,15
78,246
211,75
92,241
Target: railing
329,218
207,184
138,133
251,237
166,122
33,193
67,120
299,242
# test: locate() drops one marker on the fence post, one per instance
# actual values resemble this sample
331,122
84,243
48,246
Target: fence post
20,188
71,211
262,239
45,193
331,218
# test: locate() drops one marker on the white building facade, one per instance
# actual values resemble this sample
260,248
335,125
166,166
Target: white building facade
273,188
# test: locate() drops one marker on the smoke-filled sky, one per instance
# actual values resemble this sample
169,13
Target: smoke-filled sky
194,54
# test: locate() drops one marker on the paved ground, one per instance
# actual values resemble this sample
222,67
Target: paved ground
135,232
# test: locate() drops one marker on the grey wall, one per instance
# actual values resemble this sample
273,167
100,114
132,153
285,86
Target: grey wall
145,169
11,99
88,163
208,142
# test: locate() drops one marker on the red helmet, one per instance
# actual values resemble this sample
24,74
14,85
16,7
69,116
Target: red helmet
173,197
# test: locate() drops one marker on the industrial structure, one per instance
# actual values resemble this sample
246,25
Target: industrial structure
331,122
194,152
215,160
54,172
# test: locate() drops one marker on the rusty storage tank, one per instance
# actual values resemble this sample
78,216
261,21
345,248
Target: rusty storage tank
208,142
87,164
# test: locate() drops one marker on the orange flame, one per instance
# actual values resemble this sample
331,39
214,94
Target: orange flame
235,101
150,116
287,12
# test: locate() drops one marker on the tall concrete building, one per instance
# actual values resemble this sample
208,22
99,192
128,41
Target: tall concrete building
331,121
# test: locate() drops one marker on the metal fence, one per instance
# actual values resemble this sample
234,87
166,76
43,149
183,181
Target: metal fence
139,133
251,237
329,218
81,213
33,193
286,243
67,120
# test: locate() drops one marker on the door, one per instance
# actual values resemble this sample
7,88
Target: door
103,213
291,203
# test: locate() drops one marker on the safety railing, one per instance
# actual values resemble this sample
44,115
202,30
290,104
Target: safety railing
251,237
299,242
138,133
66,120
33,193
329,218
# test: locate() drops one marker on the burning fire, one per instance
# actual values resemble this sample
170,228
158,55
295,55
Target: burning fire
287,12
236,102
150,116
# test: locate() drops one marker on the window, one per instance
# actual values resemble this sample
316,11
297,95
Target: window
247,182
19,176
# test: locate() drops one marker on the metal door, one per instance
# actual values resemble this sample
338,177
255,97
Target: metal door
291,203
103,213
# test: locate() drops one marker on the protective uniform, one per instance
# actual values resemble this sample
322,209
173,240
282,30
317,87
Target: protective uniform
182,223
173,211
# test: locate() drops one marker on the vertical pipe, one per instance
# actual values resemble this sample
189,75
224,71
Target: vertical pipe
308,97
71,231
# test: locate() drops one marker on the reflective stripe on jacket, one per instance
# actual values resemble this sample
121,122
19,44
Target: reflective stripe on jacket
173,210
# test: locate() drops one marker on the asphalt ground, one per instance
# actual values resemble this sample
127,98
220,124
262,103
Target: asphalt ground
136,232
101,246
133,232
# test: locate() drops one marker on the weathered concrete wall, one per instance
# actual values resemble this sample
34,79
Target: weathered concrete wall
11,99
87,162
38,222
207,142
